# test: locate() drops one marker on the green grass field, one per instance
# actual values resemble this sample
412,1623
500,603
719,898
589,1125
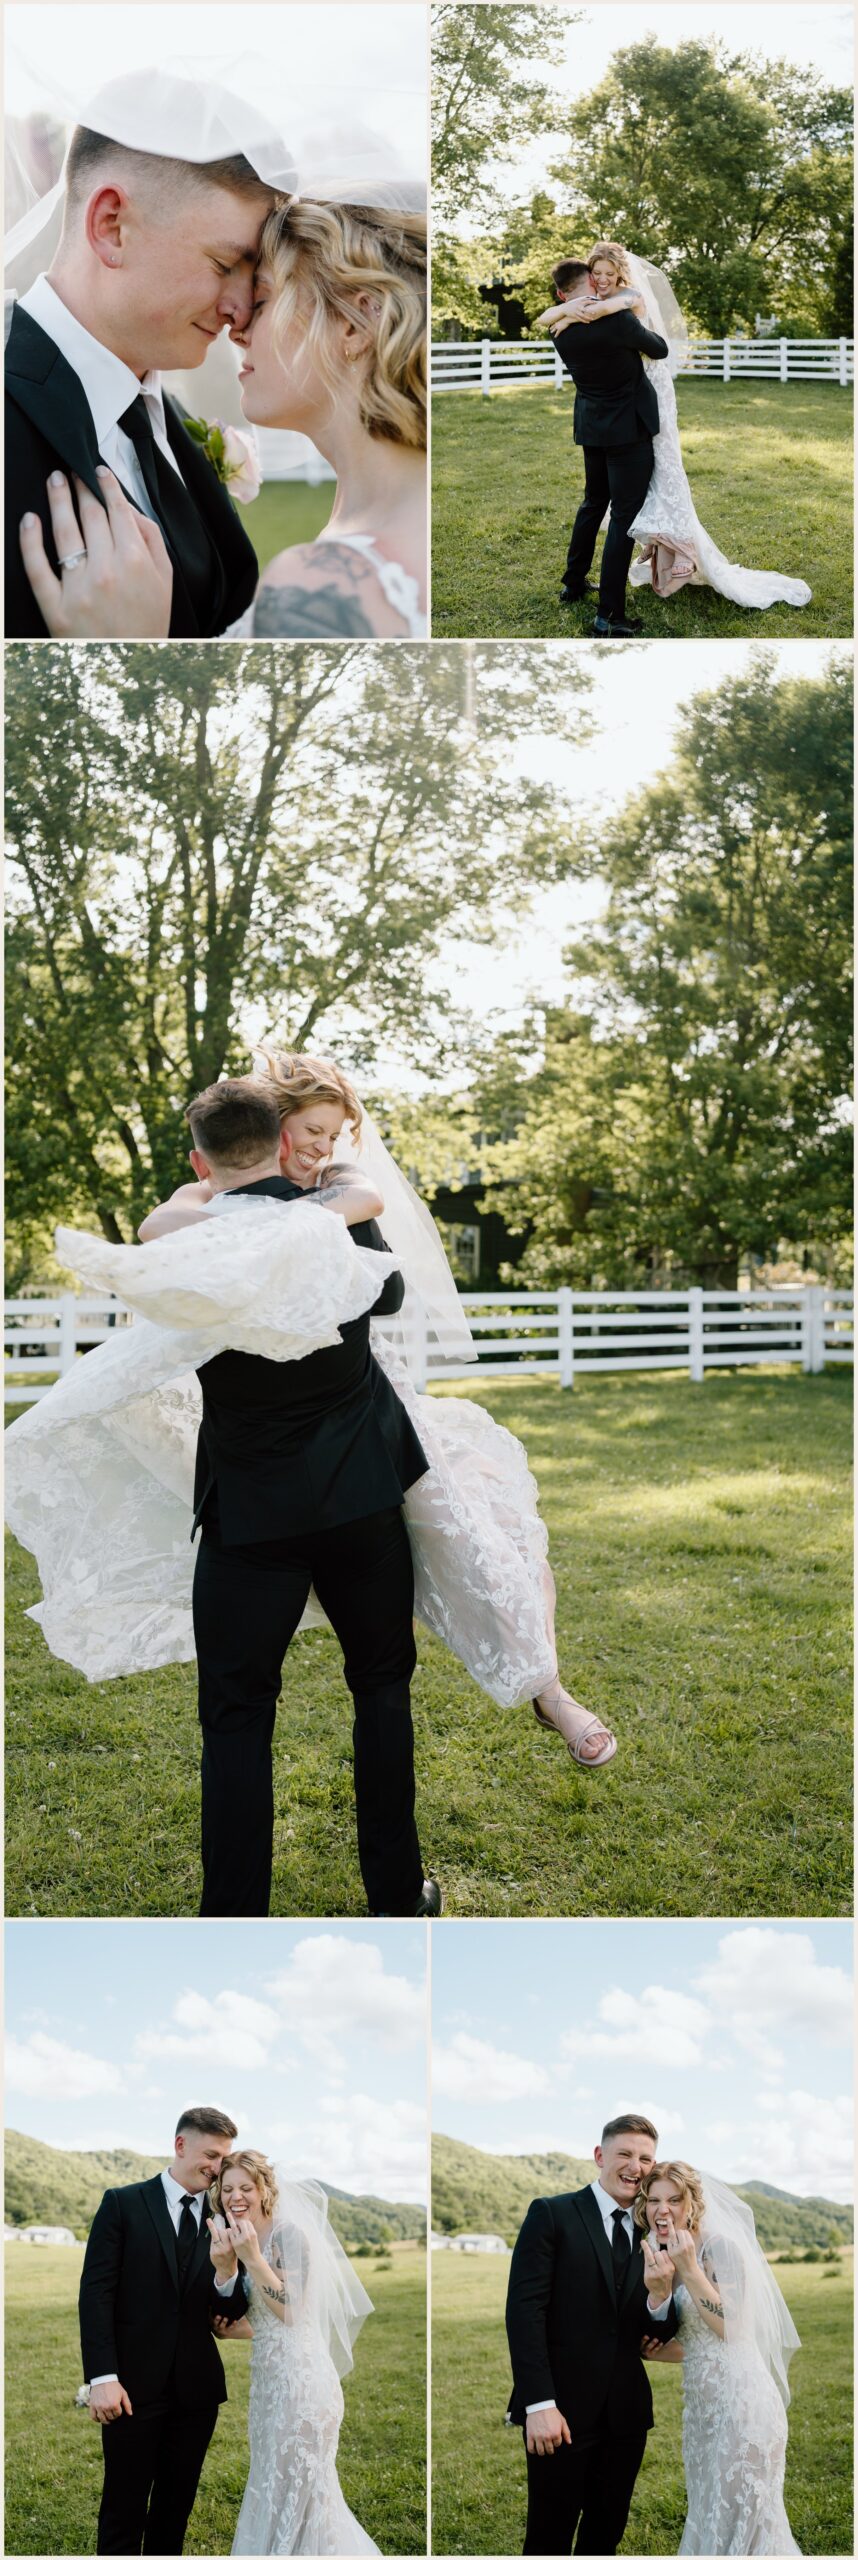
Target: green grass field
285,512
53,2454
700,1538
478,2476
770,467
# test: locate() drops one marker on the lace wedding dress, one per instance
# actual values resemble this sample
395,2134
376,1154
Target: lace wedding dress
100,1471
734,2440
293,2500
677,551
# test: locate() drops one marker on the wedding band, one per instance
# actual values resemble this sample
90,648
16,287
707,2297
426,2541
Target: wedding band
73,560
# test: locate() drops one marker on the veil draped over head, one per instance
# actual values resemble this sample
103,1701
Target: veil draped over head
324,142
752,2301
325,2298
662,308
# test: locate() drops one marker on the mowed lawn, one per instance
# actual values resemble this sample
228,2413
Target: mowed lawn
770,467
286,512
478,2468
53,2452
700,1538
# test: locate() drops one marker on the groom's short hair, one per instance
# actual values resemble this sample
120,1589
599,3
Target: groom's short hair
235,1122
205,2120
568,271
164,179
629,2124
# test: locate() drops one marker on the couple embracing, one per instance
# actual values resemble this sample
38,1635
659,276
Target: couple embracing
222,2242
264,1402
183,219
654,2259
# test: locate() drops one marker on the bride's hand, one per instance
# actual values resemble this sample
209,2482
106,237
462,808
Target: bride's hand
245,2241
658,2272
680,2249
118,581
221,2248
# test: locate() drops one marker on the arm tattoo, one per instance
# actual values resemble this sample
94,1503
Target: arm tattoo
274,2293
323,614
707,2304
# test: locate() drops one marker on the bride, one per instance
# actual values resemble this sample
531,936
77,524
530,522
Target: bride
100,1471
335,348
306,2309
737,2338
675,551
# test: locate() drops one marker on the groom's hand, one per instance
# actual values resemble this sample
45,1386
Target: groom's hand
658,2272
107,2400
546,2431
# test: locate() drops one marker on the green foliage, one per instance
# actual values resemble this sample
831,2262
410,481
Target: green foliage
700,1539
478,2475
476,2190
770,466
53,2451
198,831
690,1108
485,95
46,2185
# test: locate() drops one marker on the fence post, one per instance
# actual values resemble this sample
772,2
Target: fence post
807,1346
695,1336
559,366
485,366
725,360
68,1332
844,366
784,345
817,1329
565,1337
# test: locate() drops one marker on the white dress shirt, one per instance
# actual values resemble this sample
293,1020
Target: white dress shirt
176,2196
109,385
607,2208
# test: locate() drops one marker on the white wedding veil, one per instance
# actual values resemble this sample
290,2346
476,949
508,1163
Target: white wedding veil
753,2304
662,308
409,1229
324,2297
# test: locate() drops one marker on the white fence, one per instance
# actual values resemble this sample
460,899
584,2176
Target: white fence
484,364
562,1333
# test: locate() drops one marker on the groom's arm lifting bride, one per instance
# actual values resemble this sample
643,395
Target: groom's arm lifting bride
616,419
579,2326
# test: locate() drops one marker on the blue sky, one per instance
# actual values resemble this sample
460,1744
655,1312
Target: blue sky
734,2038
312,2037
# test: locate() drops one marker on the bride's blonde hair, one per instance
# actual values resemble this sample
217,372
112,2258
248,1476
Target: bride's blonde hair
681,2176
619,258
295,1080
355,262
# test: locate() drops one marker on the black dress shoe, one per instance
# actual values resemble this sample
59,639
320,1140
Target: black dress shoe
429,1907
575,595
603,630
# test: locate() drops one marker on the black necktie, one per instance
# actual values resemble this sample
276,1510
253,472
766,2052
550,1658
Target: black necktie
186,2239
621,2247
178,516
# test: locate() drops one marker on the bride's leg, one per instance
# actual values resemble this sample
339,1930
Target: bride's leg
556,1704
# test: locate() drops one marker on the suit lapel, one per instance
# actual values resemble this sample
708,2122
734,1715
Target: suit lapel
52,396
237,565
154,2197
595,2228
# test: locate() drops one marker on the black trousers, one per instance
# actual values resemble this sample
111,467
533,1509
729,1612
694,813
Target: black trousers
589,2487
620,474
152,2471
248,1602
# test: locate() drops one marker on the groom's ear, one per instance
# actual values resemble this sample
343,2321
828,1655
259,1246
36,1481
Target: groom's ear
201,1165
105,224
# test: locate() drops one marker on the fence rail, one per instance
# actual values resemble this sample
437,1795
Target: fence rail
485,364
562,1333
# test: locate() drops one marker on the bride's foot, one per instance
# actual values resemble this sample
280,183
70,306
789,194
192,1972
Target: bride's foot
590,1742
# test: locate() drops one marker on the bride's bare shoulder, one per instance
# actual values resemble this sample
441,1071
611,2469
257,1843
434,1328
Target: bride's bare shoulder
323,590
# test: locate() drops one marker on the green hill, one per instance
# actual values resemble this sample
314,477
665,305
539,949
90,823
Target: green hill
479,2191
44,2185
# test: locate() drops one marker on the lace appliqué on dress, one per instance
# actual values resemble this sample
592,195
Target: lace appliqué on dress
677,551
734,2440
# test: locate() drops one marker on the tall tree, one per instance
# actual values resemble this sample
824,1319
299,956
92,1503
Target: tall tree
691,1104
211,844
486,93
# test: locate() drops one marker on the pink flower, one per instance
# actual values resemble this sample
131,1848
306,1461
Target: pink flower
242,471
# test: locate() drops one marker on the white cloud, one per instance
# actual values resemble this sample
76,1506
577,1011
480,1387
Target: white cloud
371,2146
654,2023
765,1982
333,1988
44,2068
791,2139
467,2068
232,2032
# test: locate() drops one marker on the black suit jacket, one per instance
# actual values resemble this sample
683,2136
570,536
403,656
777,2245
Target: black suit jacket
133,2319
571,2339
49,426
615,403
288,1446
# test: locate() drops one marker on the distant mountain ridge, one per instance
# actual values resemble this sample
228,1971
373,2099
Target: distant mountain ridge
46,2185
485,2191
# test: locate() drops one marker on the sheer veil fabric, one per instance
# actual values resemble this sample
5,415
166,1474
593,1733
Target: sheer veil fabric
735,2391
292,2500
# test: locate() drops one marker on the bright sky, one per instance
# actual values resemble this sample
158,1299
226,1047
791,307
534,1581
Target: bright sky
735,2039
312,2037
374,56
817,39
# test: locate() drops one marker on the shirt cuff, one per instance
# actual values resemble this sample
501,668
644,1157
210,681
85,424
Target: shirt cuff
102,2377
658,2311
226,2285
533,2405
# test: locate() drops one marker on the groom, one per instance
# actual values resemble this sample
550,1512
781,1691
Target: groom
578,2323
616,418
153,2278
302,1469
157,257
